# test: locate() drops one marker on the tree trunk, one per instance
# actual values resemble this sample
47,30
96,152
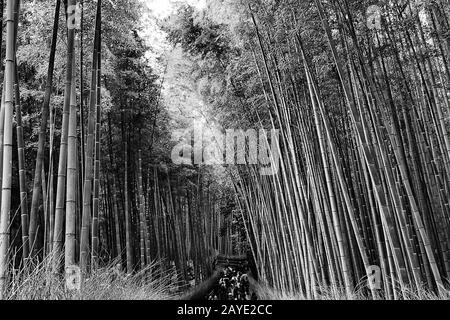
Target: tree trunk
89,165
95,240
72,176
62,165
7,147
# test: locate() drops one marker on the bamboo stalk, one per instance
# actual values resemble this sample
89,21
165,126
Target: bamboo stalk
7,147
62,165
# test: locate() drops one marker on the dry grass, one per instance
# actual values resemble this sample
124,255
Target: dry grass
40,283
332,293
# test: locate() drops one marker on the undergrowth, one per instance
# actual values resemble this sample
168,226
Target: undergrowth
39,282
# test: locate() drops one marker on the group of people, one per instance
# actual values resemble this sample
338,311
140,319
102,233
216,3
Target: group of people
233,285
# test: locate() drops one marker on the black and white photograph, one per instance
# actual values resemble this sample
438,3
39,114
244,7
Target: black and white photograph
219,156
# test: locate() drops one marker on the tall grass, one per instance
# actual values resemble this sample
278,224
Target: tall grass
325,292
39,282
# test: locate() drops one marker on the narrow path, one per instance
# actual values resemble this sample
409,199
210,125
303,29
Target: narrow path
231,280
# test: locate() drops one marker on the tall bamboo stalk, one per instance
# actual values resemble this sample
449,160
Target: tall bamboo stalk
89,165
128,232
95,204
7,146
62,164
72,177
20,149
43,128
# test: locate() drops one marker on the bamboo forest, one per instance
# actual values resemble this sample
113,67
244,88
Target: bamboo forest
225,150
